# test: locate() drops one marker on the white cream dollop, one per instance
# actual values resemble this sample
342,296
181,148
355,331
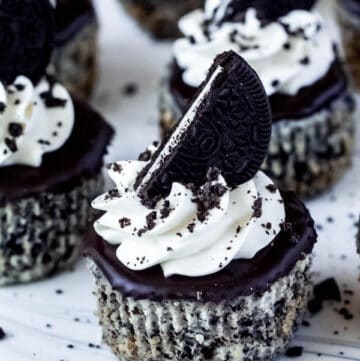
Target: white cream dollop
288,54
246,220
34,120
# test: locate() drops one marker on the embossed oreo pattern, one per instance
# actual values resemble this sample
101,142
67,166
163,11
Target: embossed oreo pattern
26,38
231,131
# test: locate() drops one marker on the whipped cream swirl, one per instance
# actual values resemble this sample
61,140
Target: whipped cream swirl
34,120
288,54
191,232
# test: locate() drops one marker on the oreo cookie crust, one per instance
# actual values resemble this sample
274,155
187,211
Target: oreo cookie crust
75,57
44,211
248,311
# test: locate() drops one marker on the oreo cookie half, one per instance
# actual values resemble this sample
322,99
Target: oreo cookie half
227,127
26,38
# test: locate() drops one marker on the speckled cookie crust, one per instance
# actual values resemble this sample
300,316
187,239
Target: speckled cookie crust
350,29
256,327
43,234
75,62
305,155
160,17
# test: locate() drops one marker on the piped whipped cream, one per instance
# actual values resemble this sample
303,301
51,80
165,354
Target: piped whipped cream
288,54
34,120
193,232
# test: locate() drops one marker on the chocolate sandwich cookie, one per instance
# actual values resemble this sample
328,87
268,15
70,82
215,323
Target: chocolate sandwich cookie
202,259
349,18
312,104
74,59
51,153
160,17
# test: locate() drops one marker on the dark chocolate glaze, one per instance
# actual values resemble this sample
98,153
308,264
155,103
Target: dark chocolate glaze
80,157
352,6
308,101
239,278
70,17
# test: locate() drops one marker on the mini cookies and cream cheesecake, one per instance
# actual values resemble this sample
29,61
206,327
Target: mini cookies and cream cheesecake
74,59
51,152
290,49
196,253
160,17
349,18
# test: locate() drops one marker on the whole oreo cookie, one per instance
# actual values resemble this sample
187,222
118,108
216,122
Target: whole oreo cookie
227,127
267,10
26,38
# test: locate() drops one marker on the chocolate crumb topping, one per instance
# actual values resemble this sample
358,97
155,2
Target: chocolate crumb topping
145,156
165,210
124,222
115,167
257,207
150,220
208,197
11,144
271,188
15,129
2,334
112,193
191,227
141,231
295,351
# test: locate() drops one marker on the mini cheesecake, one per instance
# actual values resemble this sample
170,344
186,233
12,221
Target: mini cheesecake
349,18
52,147
311,101
160,17
196,254
74,60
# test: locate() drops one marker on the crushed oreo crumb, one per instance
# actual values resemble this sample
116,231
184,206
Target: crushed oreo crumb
328,290
150,220
346,314
130,89
165,210
112,193
208,197
2,334
11,144
295,351
145,156
191,227
271,188
257,207
124,222
15,129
